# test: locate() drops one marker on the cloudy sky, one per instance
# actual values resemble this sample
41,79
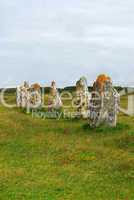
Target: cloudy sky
44,40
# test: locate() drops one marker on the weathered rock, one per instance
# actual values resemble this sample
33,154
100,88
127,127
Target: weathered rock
29,96
82,97
55,102
104,103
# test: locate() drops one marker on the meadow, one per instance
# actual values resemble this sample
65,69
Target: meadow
65,159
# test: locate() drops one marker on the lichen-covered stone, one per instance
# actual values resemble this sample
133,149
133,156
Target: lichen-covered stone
29,96
104,103
55,102
82,97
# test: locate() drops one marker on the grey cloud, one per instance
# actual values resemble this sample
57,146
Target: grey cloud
46,40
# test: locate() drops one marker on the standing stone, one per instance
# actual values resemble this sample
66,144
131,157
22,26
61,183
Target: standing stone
82,97
18,96
56,102
35,99
104,104
29,96
131,104
22,95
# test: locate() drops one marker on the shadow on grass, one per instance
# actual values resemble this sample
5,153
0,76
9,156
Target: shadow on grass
125,141
103,129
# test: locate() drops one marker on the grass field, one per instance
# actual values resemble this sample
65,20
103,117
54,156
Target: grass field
64,159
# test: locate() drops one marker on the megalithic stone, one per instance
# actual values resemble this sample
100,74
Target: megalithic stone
131,105
82,97
35,99
55,102
29,96
104,103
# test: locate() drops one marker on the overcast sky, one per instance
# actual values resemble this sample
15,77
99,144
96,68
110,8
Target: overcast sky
45,40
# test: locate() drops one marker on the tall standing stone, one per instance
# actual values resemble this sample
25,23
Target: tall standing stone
104,104
82,97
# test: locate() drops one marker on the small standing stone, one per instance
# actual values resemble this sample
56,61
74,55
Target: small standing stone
56,102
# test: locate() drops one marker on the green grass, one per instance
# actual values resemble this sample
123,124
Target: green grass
65,159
